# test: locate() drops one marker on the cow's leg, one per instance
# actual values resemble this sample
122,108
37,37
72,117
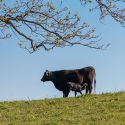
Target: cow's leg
90,88
66,92
87,90
90,81
75,93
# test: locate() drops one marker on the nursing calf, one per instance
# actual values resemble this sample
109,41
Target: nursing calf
77,87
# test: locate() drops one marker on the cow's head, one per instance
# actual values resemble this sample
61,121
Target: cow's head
47,76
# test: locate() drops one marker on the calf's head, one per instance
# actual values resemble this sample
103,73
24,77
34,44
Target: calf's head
47,76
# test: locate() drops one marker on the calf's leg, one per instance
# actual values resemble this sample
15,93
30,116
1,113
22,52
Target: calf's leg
80,92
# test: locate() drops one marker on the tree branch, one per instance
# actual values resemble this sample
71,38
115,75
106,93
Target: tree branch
47,27
22,34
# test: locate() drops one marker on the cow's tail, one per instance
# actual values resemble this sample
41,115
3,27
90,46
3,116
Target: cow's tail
94,80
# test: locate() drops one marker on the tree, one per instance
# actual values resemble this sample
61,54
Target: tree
47,27
113,8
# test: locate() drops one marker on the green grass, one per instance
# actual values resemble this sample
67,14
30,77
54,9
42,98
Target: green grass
103,109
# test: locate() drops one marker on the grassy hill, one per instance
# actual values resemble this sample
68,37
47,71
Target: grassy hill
103,109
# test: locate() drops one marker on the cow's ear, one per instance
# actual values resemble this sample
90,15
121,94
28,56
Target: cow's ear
47,73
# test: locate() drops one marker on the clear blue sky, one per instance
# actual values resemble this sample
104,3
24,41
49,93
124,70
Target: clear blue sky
20,72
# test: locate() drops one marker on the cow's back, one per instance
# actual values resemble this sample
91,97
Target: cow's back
64,76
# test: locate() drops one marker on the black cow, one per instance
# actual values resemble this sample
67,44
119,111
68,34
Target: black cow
60,78
77,87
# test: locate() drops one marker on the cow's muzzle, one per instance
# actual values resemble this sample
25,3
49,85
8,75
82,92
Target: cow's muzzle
42,80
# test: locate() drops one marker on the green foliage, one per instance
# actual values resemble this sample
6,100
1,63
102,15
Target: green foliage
104,109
